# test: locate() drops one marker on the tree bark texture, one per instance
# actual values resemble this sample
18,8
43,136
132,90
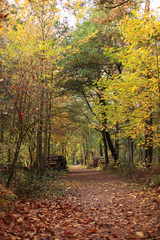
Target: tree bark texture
111,147
39,140
16,155
130,150
105,147
117,140
149,142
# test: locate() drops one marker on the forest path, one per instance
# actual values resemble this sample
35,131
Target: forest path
109,208
93,205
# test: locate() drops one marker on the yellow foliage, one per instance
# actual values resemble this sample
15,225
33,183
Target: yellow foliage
134,95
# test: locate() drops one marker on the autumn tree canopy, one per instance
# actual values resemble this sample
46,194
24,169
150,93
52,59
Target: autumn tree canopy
98,79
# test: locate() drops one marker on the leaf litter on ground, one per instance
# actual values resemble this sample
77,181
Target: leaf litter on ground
93,205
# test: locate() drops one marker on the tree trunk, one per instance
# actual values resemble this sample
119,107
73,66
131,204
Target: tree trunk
84,152
111,147
148,142
101,150
117,141
31,156
39,140
108,137
130,150
45,155
49,128
2,131
105,147
16,155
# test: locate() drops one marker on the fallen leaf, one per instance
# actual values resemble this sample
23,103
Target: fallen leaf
20,220
140,234
91,231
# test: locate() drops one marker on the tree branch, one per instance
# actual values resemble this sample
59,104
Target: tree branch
114,6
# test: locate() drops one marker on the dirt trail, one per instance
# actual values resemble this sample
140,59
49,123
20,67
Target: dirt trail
111,209
93,206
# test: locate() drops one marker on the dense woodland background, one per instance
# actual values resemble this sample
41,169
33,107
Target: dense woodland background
78,79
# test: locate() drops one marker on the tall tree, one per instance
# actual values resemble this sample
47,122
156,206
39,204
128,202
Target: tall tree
133,91
85,64
28,48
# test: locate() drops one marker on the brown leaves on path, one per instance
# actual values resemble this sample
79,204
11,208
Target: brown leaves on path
93,206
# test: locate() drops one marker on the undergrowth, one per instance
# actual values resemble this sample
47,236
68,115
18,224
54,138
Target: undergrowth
30,186
33,186
142,176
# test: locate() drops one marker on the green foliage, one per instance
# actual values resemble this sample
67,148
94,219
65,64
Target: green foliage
120,168
155,181
6,197
33,186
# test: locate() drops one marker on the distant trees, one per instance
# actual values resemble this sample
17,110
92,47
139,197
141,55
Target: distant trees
105,65
85,64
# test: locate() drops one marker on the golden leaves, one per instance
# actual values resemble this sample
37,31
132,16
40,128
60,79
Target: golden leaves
134,94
